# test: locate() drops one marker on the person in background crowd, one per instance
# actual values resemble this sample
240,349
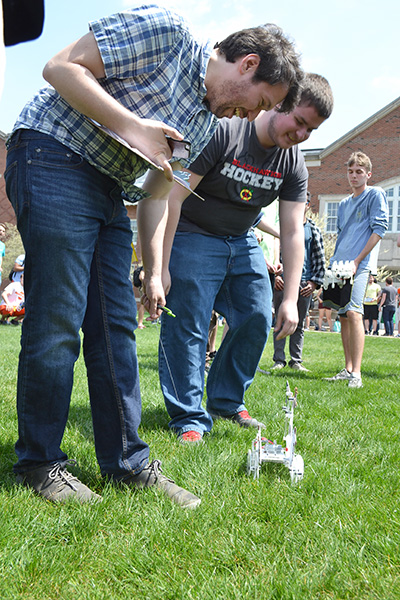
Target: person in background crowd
311,278
371,313
388,305
2,247
361,221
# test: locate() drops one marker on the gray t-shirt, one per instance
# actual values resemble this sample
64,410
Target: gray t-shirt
390,299
239,178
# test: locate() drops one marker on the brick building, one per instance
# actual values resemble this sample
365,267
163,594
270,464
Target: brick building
378,136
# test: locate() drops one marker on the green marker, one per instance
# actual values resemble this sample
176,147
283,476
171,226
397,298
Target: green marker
166,310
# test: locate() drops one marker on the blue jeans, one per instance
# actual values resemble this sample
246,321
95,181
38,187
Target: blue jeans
387,318
77,240
230,275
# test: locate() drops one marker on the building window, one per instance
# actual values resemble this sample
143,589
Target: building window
393,197
390,222
398,213
134,231
331,217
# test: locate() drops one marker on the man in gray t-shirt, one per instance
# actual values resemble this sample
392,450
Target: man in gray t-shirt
388,305
216,261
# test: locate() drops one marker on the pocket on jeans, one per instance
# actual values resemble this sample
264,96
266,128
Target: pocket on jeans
53,157
10,177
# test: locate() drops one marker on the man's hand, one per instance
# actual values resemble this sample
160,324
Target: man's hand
275,269
308,289
153,295
148,136
279,283
287,319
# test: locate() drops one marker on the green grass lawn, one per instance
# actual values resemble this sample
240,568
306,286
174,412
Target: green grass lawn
334,536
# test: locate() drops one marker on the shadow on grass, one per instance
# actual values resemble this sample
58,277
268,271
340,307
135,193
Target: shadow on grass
302,376
154,418
147,361
80,418
8,458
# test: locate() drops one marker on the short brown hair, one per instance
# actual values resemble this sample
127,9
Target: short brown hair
317,92
360,159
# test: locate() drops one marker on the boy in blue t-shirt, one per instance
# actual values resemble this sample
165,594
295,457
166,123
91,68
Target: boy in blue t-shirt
362,221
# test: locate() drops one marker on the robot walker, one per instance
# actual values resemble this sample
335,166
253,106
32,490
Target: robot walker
339,273
263,450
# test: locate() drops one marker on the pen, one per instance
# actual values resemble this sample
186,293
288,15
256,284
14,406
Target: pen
166,310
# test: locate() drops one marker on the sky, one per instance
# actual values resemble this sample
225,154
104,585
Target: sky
352,43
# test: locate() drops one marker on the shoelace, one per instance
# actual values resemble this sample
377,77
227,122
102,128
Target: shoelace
155,469
60,471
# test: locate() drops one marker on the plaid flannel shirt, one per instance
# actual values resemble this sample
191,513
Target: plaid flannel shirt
317,259
155,68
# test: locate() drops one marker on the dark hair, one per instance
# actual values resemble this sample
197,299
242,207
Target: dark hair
317,92
389,280
279,61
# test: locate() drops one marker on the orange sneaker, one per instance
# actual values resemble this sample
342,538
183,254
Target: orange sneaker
190,437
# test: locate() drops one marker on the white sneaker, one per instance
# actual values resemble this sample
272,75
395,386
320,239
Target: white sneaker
355,381
299,367
277,365
341,376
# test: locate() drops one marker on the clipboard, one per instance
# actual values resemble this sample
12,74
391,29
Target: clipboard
121,140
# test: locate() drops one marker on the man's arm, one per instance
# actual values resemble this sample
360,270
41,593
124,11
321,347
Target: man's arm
383,300
176,198
373,239
74,72
157,222
18,268
265,226
292,243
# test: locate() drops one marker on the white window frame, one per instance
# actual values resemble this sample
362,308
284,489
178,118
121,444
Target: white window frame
393,197
325,201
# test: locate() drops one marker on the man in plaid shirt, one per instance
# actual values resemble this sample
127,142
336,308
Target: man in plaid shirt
141,74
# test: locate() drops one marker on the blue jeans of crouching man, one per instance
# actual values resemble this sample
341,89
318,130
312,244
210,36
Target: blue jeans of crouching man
230,275
77,240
